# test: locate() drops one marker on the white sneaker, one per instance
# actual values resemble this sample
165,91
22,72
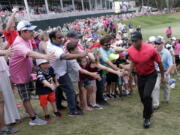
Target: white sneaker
97,106
37,121
127,92
173,86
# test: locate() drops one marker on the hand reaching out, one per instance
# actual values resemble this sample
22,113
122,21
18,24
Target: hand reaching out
96,76
50,57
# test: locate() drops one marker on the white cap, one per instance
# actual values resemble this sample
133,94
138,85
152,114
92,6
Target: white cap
173,38
160,37
89,39
15,9
168,45
119,42
40,61
152,39
25,25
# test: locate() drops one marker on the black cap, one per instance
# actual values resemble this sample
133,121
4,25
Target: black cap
136,36
74,34
159,40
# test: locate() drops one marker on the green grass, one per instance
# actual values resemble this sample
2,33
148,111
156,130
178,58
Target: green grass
124,116
156,25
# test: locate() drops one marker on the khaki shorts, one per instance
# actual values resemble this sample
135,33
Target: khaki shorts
76,87
1,96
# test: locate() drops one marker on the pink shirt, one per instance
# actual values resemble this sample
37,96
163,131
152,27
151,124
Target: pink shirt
20,65
177,50
168,31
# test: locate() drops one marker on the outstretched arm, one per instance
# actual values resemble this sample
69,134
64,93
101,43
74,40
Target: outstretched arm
11,21
37,55
5,52
118,72
92,74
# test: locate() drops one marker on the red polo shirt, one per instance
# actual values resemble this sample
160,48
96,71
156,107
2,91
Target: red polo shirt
11,36
144,59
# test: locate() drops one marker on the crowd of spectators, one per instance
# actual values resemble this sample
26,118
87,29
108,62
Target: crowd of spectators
83,63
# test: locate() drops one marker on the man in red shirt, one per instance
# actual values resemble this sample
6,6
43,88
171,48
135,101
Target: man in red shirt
143,57
9,32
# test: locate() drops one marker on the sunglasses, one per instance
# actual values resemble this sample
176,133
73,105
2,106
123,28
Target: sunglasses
60,37
27,26
107,45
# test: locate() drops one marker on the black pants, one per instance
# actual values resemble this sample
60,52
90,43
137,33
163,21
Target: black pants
100,90
145,86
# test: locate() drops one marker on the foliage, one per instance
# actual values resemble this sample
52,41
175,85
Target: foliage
160,4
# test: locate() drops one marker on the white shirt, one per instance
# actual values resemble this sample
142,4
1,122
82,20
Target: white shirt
59,65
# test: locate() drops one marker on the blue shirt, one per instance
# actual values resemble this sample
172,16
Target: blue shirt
105,55
166,59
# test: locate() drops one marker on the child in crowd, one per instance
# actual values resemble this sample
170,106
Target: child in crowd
92,64
74,69
112,79
45,86
85,85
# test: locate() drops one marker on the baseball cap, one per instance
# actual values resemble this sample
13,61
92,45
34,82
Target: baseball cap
160,37
159,40
123,54
25,25
152,39
113,56
168,45
41,61
136,36
173,38
74,34
89,39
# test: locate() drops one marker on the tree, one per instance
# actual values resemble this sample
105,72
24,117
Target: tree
159,4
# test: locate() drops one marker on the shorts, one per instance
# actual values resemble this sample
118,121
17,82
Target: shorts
45,98
125,79
120,80
85,83
24,91
168,35
1,96
177,59
111,78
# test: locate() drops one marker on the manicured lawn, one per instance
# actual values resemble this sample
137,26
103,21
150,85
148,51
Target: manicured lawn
124,116
156,25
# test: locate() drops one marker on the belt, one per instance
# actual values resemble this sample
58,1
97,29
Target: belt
160,72
147,74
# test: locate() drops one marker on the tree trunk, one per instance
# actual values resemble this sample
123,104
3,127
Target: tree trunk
156,4
168,5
